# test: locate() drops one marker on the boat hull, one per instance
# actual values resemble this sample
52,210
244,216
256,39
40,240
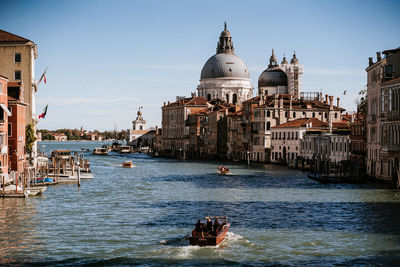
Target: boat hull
209,240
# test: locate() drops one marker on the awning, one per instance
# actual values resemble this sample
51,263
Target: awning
5,109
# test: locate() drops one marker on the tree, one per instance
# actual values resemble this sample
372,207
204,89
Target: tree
362,102
30,138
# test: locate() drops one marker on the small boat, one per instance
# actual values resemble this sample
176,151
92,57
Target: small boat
210,238
223,170
100,151
124,149
127,164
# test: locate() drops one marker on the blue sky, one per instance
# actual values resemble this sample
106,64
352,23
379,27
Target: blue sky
107,58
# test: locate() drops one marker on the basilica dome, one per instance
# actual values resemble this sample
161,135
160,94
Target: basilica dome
273,77
225,65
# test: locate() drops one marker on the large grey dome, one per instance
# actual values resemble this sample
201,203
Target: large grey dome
225,65
273,77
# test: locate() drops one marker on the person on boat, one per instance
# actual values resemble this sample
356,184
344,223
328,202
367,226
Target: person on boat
209,225
199,226
216,225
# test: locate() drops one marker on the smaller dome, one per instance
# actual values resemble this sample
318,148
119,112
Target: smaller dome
294,59
284,61
272,77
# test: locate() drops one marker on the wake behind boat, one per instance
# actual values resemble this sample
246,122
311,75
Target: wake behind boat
209,234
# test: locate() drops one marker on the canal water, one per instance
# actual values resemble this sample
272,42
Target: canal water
144,215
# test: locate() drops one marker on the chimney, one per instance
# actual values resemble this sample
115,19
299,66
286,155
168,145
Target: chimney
164,103
378,56
338,99
320,97
370,61
331,102
326,99
290,102
168,103
281,102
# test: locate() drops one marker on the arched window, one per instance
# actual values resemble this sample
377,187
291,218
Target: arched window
335,115
208,97
268,113
294,114
234,100
268,125
313,114
286,114
227,98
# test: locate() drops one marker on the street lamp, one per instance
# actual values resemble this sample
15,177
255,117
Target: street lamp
248,157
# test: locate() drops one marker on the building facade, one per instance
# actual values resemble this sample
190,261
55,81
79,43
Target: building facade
4,113
17,126
383,143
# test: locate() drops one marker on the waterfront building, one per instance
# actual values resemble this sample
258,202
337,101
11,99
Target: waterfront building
225,75
383,120
325,145
17,62
274,110
16,126
234,143
358,141
4,113
139,135
286,138
285,78
60,137
175,124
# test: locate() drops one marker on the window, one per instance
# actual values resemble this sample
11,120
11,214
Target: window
266,92
294,114
268,125
268,113
234,100
9,130
335,115
17,75
208,97
227,98
286,114
1,115
17,58
313,114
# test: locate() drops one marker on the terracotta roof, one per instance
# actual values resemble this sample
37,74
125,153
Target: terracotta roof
6,37
254,99
302,123
341,125
196,101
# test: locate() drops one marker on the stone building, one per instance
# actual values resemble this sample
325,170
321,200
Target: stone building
225,75
17,62
139,135
175,124
383,120
286,138
274,110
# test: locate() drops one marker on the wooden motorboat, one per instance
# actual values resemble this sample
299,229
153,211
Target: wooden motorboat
204,237
100,151
223,170
127,164
124,149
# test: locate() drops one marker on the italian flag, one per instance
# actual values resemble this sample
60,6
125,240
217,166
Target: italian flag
44,112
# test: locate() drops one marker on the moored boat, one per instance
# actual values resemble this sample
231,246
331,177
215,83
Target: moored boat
127,164
124,149
209,234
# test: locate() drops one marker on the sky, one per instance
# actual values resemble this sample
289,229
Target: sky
105,59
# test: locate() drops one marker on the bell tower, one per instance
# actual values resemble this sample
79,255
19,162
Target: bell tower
139,123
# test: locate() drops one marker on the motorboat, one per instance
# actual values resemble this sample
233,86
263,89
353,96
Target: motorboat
223,170
100,151
202,235
127,164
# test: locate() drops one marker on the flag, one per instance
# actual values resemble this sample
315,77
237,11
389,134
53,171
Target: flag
43,76
44,112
